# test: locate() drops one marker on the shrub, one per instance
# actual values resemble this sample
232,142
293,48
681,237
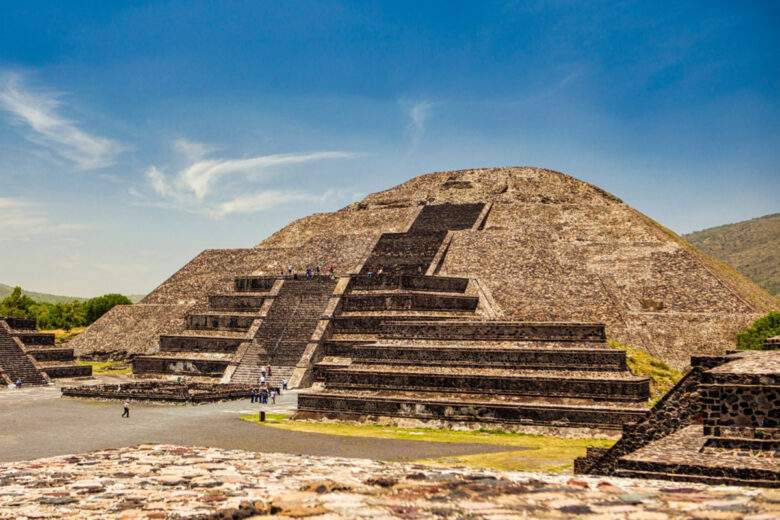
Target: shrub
753,337
97,307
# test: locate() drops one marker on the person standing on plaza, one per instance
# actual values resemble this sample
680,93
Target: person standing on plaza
126,412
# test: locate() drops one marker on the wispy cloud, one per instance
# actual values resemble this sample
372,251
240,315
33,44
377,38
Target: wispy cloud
23,220
40,112
192,188
417,113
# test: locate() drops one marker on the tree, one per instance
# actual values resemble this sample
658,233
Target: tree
753,337
16,304
94,308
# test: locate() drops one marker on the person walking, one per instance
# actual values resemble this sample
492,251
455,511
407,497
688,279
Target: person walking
319,271
268,370
284,384
126,412
273,396
253,395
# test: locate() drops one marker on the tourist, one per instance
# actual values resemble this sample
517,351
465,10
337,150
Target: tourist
262,371
290,270
126,413
253,395
18,383
273,396
264,395
332,271
319,271
379,271
284,384
262,379
268,370
308,272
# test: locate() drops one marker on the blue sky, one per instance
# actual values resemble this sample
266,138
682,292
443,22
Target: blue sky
133,136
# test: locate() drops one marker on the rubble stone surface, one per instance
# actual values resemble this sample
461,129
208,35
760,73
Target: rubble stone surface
166,481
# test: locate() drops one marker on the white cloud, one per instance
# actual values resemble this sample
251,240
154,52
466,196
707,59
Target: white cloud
192,188
40,112
418,114
259,201
22,220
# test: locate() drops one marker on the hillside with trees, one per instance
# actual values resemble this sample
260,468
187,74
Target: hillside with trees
62,315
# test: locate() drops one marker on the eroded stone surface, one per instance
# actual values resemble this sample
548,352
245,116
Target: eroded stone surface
164,481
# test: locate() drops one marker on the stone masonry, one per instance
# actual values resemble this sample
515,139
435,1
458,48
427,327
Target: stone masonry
32,357
720,424
406,345
164,481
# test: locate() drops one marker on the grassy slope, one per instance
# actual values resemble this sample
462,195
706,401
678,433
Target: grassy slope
524,452
751,246
740,284
640,363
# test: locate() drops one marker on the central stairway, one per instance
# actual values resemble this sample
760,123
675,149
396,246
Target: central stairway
403,344
285,331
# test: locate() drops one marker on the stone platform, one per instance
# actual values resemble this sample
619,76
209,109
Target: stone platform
161,391
719,424
164,481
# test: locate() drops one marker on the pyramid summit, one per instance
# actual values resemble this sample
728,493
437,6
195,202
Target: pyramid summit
545,247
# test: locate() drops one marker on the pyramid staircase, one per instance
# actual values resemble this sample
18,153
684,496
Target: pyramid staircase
285,331
406,344
32,356
214,336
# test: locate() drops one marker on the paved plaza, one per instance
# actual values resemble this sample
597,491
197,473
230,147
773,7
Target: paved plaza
38,423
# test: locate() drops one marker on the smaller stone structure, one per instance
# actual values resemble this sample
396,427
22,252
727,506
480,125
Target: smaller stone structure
33,357
719,424
161,391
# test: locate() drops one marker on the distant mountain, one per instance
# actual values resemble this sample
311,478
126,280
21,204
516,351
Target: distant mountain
752,247
5,290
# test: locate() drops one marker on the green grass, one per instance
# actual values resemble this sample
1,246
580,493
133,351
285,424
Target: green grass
530,452
107,368
62,335
640,363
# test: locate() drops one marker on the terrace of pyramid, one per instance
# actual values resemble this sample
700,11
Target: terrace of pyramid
498,290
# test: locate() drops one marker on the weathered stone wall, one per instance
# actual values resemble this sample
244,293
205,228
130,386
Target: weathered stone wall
493,330
413,301
161,391
199,344
190,367
408,282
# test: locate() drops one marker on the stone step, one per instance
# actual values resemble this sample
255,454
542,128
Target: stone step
615,386
15,362
58,369
702,479
446,217
51,354
539,357
221,320
408,301
19,324
237,301
383,282
200,343
734,475
184,365
463,408
491,330
32,338
371,324
254,283
341,347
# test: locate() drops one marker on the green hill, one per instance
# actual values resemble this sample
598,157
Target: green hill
5,290
752,247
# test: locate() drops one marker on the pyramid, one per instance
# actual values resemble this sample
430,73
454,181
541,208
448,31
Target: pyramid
548,247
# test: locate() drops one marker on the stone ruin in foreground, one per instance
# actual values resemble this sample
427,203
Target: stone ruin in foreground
498,289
